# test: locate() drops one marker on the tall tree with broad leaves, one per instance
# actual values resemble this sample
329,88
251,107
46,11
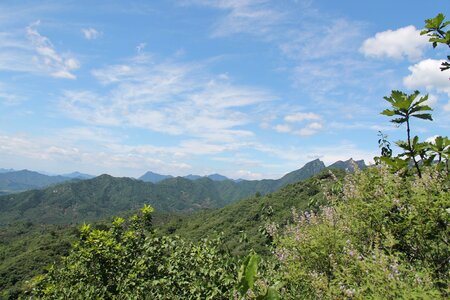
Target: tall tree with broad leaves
403,107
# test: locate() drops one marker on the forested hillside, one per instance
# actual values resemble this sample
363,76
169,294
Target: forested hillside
105,196
243,223
17,181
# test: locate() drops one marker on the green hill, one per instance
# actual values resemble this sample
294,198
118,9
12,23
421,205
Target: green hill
105,196
26,249
244,222
18,181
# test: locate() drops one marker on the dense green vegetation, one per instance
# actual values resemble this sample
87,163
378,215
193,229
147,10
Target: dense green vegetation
17,181
106,196
129,261
26,249
244,223
375,235
383,237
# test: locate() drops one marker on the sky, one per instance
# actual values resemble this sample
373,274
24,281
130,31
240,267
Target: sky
245,88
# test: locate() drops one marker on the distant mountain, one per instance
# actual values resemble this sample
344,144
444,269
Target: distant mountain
104,196
308,170
78,175
154,177
6,170
213,177
192,177
17,181
217,177
348,165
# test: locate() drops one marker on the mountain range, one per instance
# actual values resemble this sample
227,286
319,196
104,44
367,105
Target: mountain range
17,181
155,177
88,200
35,226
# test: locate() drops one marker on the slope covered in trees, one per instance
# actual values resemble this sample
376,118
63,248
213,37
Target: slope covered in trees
105,196
243,223
17,181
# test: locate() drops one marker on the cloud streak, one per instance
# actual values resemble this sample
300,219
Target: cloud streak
31,52
170,98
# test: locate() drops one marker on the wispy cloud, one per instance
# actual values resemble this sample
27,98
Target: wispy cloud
31,52
328,154
9,98
300,124
320,51
168,97
243,16
90,33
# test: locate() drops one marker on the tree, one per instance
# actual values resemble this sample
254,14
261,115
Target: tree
435,29
403,107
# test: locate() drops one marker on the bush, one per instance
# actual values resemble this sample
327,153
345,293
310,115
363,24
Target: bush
384,237
128,261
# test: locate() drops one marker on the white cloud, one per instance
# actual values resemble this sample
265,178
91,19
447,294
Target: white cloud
246,174
90,33
321,39
426,74
168,97
283,128
34,53
431,139
47,57
299,117
315,125
405,42
62,151
310,129
7,97
248,16
447,106
140,48
432,100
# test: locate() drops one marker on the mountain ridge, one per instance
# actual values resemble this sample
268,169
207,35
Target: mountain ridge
105,195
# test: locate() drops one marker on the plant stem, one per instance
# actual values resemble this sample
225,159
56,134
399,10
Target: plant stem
413,153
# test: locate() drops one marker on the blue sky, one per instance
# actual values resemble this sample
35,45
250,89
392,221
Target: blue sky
250,88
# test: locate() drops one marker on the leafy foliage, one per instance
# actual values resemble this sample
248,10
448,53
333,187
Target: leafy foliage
246,223
384,237
26,249
249,286
435,29
128,260
403,107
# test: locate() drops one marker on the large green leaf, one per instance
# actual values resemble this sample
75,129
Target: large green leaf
388,112
423,116
248,272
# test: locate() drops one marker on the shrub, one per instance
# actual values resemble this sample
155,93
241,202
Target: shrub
384,237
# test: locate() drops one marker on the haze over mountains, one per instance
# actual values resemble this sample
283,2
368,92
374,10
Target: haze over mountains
13,181
78,201
155,177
